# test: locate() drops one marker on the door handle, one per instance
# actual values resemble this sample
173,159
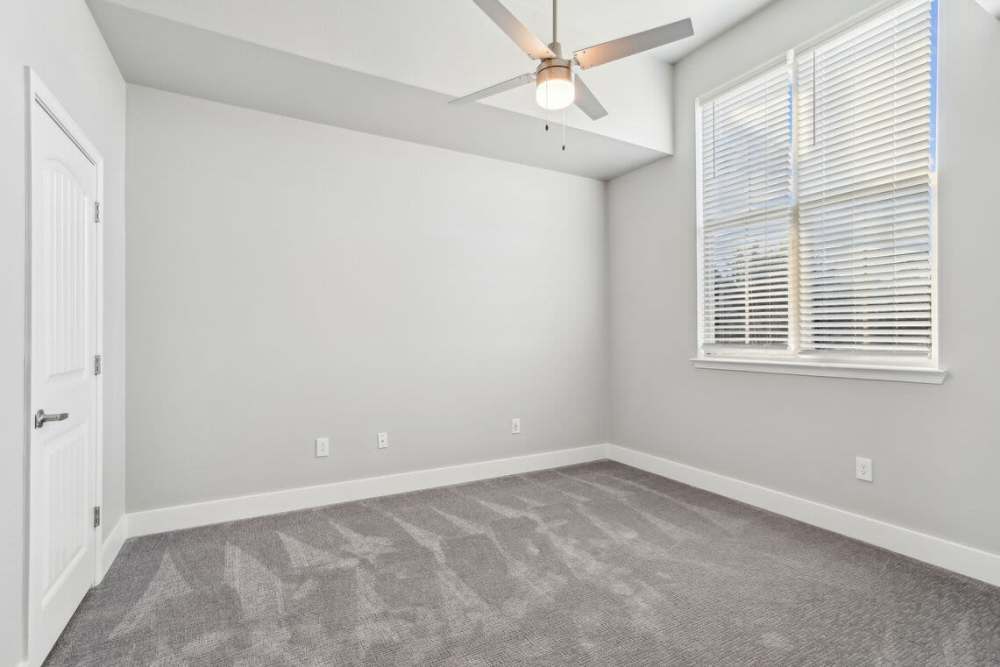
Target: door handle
41,417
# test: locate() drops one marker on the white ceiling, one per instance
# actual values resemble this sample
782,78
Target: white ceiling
587,22
447,47
176,57
417,41
451,47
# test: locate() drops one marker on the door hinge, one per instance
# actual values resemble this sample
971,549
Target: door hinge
97,212
97,516
98,364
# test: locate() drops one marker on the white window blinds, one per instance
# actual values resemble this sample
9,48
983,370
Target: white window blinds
746,177
816,198
865,194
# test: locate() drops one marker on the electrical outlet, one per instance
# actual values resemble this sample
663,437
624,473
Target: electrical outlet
515,425
322,447
863,469
383,440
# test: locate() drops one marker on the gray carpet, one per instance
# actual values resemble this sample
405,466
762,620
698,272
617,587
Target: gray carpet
597,564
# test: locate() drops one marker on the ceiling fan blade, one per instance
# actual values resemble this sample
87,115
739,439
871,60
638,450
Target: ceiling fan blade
586,100
623,47
516,30
509,84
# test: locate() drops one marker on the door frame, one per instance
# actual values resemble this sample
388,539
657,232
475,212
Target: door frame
40,94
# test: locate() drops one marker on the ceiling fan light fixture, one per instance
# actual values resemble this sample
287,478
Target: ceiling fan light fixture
556,85
554,88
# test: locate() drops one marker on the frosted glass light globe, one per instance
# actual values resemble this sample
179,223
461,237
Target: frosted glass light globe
555,90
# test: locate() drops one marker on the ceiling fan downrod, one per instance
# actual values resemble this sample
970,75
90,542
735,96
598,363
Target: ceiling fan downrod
555,21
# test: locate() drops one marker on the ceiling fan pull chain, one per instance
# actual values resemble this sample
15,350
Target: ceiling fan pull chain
564,129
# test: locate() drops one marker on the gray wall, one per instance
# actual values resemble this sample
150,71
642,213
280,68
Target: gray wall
936,449
288,280
58,38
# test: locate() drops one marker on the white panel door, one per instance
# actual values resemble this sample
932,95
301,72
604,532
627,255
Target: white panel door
63,410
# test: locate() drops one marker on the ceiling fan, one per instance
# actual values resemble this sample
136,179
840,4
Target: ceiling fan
556,85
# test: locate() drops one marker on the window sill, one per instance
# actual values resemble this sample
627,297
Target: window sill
919,374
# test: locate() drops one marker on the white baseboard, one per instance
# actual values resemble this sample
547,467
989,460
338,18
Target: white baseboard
262,504
113,544
953,556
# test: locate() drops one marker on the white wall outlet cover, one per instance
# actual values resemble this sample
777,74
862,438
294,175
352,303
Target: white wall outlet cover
515,425
992,6
863,468
383,440
322,447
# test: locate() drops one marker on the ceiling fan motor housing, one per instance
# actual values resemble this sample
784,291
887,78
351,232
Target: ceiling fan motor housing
554,69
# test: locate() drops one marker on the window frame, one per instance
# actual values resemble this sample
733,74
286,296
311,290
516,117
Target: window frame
793,360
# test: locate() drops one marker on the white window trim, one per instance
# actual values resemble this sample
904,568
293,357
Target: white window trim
797,366
793,361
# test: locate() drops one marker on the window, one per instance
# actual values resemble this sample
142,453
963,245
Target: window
816,206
